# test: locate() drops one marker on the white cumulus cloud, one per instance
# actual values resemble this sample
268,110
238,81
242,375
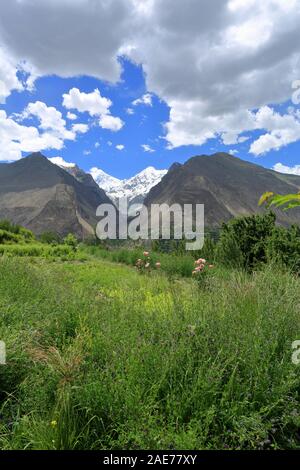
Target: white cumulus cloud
290,170
59,161
95,104
8,76
50,132
282,130
71,116
111,123
80,128
50,119
16,138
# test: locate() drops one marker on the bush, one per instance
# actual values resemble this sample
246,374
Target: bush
228,252
51,238
9,227
10,233
9,237
243,240
71,241
284,247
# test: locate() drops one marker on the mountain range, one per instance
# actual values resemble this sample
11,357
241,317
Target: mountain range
135,188
42,196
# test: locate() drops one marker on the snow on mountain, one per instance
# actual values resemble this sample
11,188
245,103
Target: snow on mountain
135,188
105,181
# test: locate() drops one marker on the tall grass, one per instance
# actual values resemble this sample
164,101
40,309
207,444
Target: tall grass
100,357
38,250
175,265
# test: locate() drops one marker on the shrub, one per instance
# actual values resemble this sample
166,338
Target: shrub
228,251
51,238
71,240
10,233
243,240
9,227
284,247
9,237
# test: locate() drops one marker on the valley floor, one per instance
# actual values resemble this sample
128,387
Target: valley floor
102,357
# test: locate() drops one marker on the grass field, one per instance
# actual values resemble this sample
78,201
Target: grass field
102,357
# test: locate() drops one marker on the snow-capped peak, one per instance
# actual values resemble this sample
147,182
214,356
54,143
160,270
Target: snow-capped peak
135,188
104,180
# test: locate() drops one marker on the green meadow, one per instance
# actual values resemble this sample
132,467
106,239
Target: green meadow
101,356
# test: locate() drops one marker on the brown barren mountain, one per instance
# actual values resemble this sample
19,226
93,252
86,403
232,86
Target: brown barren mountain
226,185
41,196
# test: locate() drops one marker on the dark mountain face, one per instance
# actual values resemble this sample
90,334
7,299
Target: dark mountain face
226,185
43,197
82,177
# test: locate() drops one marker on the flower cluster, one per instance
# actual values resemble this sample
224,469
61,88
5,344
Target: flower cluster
144,265
200,265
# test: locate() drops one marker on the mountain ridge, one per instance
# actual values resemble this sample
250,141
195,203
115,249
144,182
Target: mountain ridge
226,185
135,188
42,196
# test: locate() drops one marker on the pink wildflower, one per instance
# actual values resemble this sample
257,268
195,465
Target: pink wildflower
199,269
200,261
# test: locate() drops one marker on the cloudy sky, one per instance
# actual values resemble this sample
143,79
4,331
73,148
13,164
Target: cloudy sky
124,84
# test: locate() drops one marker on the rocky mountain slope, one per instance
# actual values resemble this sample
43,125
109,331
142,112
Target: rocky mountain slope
226,185
44,197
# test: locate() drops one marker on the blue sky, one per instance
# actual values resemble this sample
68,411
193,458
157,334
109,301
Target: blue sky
144,127
206,91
